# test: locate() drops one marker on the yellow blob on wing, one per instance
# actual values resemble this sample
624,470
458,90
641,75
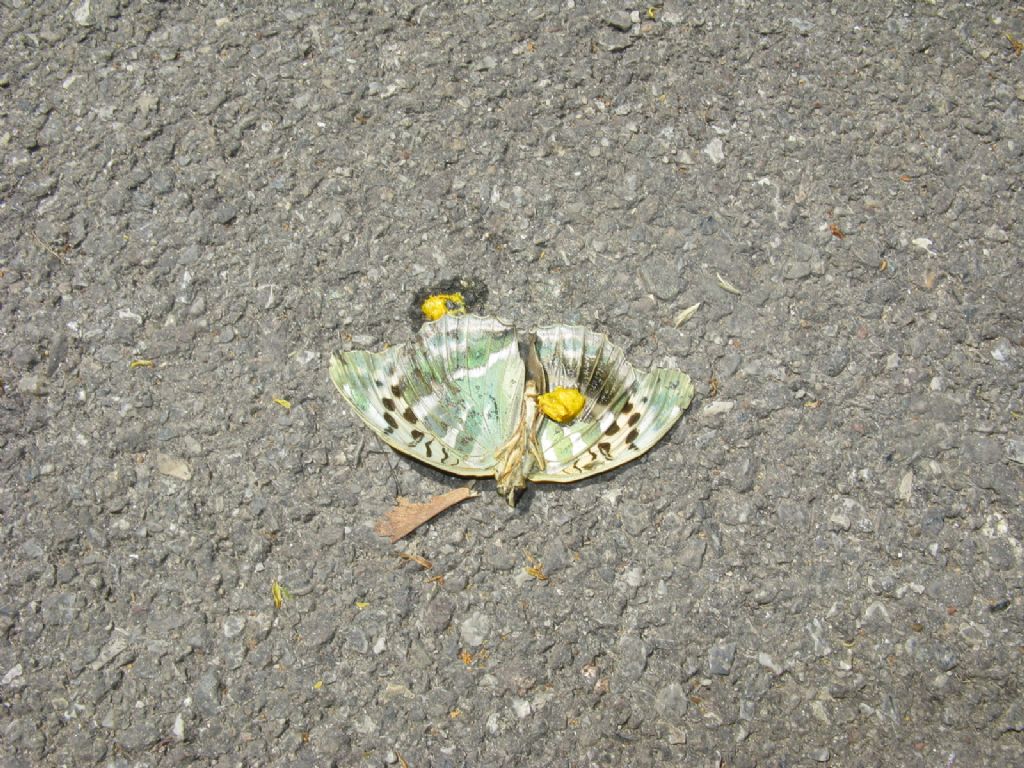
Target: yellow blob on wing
561,404
436,307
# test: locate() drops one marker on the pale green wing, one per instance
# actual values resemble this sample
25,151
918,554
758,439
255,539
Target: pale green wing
449,398
624,416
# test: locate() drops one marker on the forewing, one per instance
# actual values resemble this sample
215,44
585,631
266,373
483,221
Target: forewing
449,398
624,416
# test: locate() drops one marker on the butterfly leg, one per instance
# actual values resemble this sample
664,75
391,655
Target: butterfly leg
509,467
534,445
513,459
509,462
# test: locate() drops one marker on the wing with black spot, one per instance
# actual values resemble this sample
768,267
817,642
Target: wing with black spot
449,398
624,416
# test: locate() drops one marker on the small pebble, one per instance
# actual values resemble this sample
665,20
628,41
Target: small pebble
717,407
720,658
474,630
839,522
619,20
691,555
714,150
797,270
672,703
233,626
172,466
521,708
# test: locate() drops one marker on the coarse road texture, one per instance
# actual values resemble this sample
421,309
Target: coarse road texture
820,565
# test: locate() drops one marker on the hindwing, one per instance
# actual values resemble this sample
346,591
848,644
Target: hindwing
624,416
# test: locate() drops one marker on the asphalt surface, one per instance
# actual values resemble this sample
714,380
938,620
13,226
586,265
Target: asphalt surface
820,565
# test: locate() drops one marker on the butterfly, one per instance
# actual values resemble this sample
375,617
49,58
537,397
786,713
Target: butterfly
462,397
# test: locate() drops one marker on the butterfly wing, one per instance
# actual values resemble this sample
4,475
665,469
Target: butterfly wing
624,415
450,398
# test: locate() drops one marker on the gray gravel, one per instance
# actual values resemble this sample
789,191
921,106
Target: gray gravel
822,564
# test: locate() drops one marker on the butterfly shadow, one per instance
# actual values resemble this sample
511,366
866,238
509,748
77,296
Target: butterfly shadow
533,493
485,486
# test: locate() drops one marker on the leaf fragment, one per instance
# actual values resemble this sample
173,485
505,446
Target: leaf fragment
469,659
140,364
535,567
728,287
407,516
924,244
362,605
279,593
686,314
536,572
1018,46
422,562
283,403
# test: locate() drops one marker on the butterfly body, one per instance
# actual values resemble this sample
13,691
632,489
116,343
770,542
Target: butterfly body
462,397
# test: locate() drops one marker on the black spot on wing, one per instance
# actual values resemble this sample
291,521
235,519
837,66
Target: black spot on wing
428,447
606,450
389,403
409,416
631,437
392,424
612,429
583,462
633,419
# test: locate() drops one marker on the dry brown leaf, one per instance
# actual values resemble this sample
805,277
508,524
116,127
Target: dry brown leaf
407,516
